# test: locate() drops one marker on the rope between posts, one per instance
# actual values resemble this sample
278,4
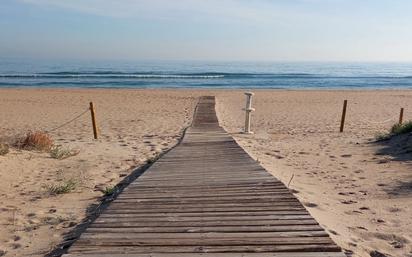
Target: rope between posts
380,122
69,121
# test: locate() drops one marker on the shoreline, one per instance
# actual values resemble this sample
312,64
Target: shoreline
209,89
343,89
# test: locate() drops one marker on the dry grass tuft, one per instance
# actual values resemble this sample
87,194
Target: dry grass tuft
37,140
383,136
4,149
110,190
60,153
63,188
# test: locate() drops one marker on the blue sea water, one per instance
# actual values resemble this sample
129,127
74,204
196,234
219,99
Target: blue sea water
195,74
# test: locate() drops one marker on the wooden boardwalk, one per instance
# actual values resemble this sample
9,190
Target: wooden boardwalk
206,197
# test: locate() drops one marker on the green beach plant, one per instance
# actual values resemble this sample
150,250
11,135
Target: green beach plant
109,190
396,129
63,188
403,128
4,149
60,153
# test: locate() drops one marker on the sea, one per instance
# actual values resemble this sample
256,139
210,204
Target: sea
198,74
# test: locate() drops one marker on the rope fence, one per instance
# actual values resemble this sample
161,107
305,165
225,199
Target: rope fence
343,118
69,121
92,111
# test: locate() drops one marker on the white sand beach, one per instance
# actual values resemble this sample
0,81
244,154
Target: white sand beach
359,191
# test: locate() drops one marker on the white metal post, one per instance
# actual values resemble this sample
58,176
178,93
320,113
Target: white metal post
248,111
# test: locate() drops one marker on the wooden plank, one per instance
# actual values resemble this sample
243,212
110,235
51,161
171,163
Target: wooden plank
278,254
206,197
203,213
131,229
205,218
93,234
205,248
182,198
129,222
127,241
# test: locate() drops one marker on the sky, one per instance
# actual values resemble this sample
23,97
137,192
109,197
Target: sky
211,30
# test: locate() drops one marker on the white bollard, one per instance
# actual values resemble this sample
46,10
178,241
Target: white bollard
248,111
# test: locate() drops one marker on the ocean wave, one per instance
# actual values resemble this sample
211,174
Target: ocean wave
153,75
112,76
169,75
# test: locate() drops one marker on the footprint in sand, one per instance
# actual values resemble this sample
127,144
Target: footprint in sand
333,232
310,205
15,246
352,244
348,252
394,209
348,202
377,254
394,240
346,193
352,212
383,161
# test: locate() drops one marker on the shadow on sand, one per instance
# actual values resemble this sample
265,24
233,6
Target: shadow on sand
399,148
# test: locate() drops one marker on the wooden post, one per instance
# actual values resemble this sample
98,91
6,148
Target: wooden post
342,121
92,112
401,116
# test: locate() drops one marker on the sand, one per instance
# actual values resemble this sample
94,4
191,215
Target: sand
135,127
360,191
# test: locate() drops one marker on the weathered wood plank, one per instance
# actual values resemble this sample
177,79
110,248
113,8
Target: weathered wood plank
121,216
205,229
203,213
278,254
126,241
205,248
206,197
99,233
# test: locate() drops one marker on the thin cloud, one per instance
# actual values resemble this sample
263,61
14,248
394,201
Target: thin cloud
166,9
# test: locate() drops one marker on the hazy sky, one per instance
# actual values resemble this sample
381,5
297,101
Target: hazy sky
250,30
